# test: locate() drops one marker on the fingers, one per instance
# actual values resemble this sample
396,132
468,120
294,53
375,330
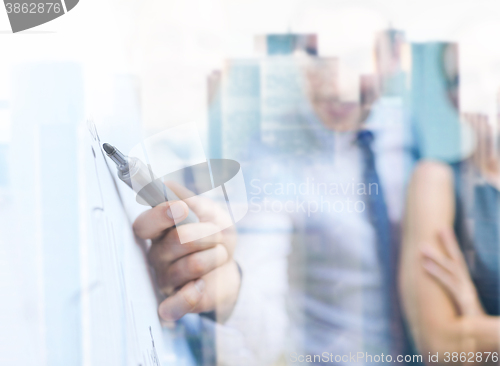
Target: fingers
430,254
197,233
440,268
180,191
455,280
441,275
182,302
152,223
168,249
218,291
190,267
450,244
205,209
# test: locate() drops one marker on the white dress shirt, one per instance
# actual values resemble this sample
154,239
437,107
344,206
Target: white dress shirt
312,280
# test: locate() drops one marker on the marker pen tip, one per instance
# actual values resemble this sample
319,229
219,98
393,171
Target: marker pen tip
108,148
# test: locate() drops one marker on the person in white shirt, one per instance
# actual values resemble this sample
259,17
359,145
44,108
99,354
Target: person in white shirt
313,285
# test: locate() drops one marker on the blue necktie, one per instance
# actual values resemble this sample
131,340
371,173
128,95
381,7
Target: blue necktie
379,218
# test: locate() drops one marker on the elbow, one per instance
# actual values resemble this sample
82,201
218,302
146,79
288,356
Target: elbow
438,348
440,343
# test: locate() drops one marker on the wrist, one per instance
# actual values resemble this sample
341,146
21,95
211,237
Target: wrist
232,282
472,306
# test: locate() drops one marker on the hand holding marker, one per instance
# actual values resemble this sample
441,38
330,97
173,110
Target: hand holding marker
150,189
188,288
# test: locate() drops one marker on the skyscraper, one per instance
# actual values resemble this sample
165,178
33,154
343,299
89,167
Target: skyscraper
214,101
240,106
434,101
47,106
389,54
286,44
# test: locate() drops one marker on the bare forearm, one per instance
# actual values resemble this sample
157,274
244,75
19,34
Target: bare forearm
427,307
464,339
440,301
483,333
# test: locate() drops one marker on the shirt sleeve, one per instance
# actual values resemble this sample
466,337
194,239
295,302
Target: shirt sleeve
255,332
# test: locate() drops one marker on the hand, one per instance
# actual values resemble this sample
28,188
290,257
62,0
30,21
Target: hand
199,275
450,270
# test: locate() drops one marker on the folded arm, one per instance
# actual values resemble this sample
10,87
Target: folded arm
439,300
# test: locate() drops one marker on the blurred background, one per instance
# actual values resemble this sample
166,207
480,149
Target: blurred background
239,69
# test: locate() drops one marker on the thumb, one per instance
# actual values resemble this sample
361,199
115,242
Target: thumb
153,222
203,208
183,301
